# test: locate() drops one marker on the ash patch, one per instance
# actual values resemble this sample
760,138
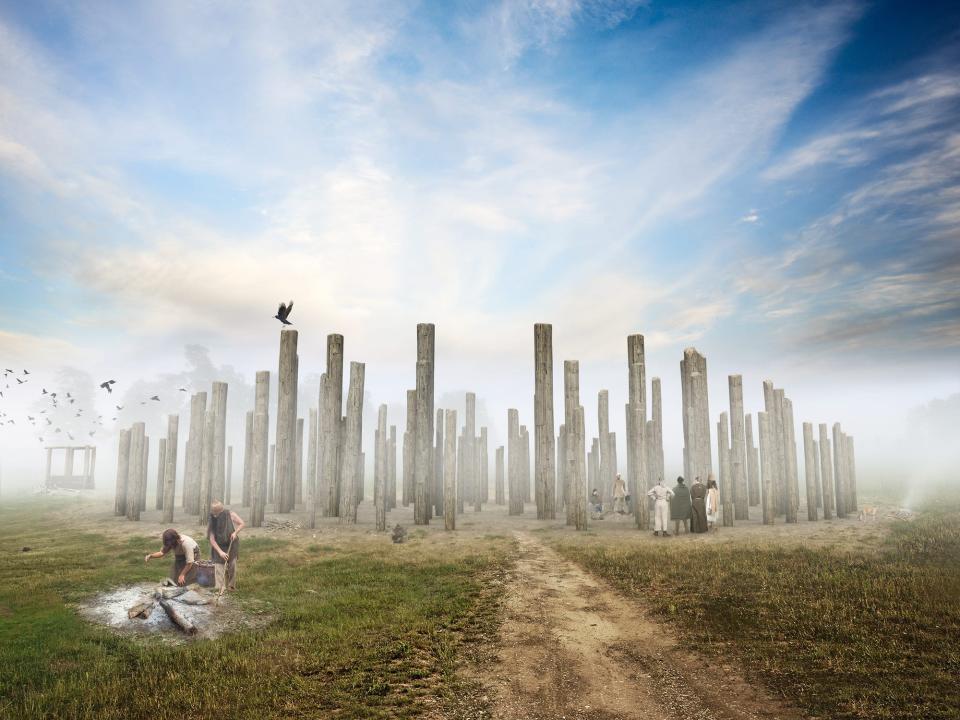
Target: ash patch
212,618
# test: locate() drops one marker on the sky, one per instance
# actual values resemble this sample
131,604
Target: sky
774,183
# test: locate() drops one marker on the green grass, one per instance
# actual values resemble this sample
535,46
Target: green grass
871,633
380,632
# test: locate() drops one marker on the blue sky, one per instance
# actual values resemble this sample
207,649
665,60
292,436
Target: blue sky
773,182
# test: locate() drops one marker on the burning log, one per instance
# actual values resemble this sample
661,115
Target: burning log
177,619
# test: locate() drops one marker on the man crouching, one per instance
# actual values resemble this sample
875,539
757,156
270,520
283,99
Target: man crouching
222,530
186,552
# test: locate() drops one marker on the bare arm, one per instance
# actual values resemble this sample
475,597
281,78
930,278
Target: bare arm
155,555
238,524
216,548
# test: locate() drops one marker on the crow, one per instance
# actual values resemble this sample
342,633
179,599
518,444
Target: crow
44,392
106,385
71,401
53,395
283,312
68,394
154,397
26,372
119,407
70,436
20,382
30,418
182,389
92,433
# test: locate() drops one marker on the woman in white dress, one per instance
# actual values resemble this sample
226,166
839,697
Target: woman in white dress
713,502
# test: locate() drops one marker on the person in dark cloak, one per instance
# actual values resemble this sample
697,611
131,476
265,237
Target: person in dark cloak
698,518
222,530
680,507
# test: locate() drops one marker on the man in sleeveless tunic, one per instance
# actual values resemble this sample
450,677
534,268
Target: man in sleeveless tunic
222,530
680,507
698,493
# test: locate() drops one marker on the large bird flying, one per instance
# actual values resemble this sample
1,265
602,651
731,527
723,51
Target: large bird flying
283,312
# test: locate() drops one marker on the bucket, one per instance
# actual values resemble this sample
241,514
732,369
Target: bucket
205,574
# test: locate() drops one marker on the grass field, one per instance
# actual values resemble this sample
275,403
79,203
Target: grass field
365,630
871,632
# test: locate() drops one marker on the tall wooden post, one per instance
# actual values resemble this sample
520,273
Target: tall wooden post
638,473
219,406
286,440
767,464
826,474
753,464
450,470
545,453
696,415
790,461
484,469
391,498
851,476
380,469
170,468
144,461
525,464
499,496
438,465
469,480
312,452
207,464
839,475
161,452
423,462
809,471
261,455
738,450
191,473
571,402
726,473
135,473
298,465
123,472
247,458
332,412
580,519
409,445
605,473
513,462
228,479
351,454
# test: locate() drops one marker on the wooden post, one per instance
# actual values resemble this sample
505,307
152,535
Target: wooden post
790,461
135,474
484,469
851,476
656,470
271,474
726,473
809,471
839,474
207,465
513,462
191,475
261,453
161,468
499,496
450,470
826,474
580,520
286,441
144,461
468,484
409,443
312,438
738,450
423,437
392,470
219,407
639,475
380,470
562,467
696,415
605,472
753,464
543,424
298,465
767,464
123,472
571,403
247,459
332,412
438,465
170,468
351,453
816,452
525,464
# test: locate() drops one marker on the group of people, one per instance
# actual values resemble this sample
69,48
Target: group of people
223,529
696,507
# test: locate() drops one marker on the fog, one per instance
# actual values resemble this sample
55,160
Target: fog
905,431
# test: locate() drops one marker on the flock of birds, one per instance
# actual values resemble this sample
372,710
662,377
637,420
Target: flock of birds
283,312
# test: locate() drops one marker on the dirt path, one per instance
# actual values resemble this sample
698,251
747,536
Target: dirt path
572,648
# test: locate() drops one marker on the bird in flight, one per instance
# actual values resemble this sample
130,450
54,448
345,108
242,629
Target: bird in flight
44,391
68,394
26,372
119,407
20,382
106,385
182,389
283,312
154,397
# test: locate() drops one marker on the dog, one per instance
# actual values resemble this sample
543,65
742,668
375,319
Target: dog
868,511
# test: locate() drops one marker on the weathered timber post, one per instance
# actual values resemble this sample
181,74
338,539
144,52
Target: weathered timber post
247,458
851,476
693,375
499,497
298,465
839,476
438,451
206,464
581,470
545,453
525,464
513,462
467,484
409,445
605,473
767,462
657,471
218,402
228,480
790,447
484,469
272,474
351,455
191,474
380,470
145,459
262,453
286,441
332,409
312,451
726,472
638,472
809,470
170,468
753,464
391,498
738,452
826,474
423,439
774,417
123,472
135,474
161,452
571,402
450,471
562,467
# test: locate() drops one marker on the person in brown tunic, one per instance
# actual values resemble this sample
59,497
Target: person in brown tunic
222,530
698,494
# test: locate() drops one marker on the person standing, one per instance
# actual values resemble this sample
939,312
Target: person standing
186,552
619,495
713,502
680,507
698,506
661,506
222,529
597,503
